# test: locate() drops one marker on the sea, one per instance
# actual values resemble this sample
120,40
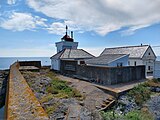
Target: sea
158,58
5,63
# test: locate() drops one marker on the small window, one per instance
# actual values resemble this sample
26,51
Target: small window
82,62
135,63
128,62
119,64
149,68
149,53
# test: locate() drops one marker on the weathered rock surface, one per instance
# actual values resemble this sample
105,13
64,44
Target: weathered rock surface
3,86
125,105
154,106
155,89
68,108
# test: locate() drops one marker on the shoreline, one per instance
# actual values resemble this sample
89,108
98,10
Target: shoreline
3,83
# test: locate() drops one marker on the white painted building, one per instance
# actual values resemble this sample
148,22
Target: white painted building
69,54
109,60
138,55
157,69
67,50
66,45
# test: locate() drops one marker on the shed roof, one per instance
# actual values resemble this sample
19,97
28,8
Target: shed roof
72,54
105,59
133,51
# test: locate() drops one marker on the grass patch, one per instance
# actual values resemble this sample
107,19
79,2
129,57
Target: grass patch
138,115
153,83
61,89
50,109
133,115
140,93
46,98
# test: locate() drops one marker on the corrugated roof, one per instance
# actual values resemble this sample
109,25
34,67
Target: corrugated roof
72,54
104,59
133,51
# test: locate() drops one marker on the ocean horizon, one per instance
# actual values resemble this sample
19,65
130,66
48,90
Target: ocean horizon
5,62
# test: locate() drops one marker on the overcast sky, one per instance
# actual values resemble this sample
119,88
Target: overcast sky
31,27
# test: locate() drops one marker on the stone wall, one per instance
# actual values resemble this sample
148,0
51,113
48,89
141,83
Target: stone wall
30,63
21,103
111,75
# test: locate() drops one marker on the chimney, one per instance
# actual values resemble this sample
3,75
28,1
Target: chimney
72,34
141,44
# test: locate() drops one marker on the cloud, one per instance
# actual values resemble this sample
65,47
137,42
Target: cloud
59,27
96,51
11,2
132,30
101,16
27,52
22,21
156,50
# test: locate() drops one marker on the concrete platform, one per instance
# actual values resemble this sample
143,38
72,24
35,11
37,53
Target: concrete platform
119,89
28,68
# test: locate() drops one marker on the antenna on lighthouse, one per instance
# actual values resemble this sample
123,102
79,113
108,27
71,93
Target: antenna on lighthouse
66,29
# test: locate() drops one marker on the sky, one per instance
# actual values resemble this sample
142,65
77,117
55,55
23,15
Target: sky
30,28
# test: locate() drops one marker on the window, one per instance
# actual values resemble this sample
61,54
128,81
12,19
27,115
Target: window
82,62
128,62
119,64
149,68
135,63
149,53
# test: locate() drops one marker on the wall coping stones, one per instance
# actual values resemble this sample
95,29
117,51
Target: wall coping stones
21,102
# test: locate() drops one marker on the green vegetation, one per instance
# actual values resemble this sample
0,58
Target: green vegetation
51,108
60,89
153,83
140,93
133,115
139,115
46,98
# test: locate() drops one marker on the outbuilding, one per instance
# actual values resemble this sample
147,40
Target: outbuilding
109,60
138,55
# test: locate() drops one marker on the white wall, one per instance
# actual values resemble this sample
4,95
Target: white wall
65,44
157,69
132,62
147,60
55,64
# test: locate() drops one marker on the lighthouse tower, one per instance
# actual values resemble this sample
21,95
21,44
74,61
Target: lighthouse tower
66,42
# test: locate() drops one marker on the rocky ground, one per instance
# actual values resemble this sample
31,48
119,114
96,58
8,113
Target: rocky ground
3,76
67,108
86,108
154,106
126,103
